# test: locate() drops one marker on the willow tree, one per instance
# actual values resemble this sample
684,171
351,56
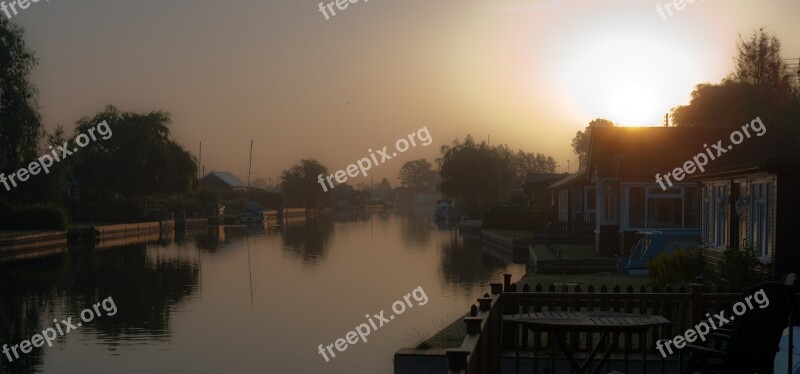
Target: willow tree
20,122
137,159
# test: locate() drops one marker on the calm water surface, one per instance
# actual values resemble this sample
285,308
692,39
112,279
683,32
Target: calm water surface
247,300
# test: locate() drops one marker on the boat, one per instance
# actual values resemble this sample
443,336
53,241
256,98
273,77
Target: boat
445,211
252,214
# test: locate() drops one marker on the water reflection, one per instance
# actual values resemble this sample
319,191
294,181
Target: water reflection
245,268
466,263
308,242
144,286
416,225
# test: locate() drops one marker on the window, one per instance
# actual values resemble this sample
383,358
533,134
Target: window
563,205
719,206
692,207
636,202
760,217
652,207
591,199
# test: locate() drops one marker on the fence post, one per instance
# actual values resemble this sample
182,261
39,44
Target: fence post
508,306
698,304
457,360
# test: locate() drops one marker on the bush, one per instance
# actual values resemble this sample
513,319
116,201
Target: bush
740,268
115,211
678,267
207,196
40,217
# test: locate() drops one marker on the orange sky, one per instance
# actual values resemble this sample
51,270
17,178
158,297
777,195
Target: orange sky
527,73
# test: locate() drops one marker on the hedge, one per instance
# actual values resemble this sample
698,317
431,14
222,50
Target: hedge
39,217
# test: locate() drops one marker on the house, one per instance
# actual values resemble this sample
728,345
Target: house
753,200
534,190
575,199
623,163
733,201
223,182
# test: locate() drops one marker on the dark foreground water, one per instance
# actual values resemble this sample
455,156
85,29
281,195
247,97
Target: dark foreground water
246,300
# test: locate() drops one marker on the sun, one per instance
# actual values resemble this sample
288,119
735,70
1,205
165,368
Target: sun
632,104
630,80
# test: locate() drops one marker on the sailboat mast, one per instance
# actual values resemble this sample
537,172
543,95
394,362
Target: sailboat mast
250,165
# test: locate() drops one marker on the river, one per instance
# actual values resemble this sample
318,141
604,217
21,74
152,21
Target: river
240,299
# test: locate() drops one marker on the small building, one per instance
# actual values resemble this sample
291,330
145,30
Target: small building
575,199
534,190
223,182
623,163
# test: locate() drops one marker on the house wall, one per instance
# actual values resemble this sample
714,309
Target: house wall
738,224
607,238
787,255
214,183
616,232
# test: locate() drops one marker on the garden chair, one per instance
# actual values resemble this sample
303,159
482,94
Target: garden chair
753,340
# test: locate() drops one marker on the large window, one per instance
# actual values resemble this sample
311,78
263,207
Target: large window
760,217
715,212
563,205
652,207
591,200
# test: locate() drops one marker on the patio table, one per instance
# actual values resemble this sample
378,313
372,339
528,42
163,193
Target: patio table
605,323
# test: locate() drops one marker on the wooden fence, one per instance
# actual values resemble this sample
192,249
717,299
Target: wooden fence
565,232
488,337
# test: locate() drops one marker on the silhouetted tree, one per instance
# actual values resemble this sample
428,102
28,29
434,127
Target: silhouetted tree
20,121
384,190
136,159
301,186
760,87
477,175
529,162
21,124
759,62
417,175
580,143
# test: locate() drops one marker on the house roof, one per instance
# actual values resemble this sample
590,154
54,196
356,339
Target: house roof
641,152
573,179
227,178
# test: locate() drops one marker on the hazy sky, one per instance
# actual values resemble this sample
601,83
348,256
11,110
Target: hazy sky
526,73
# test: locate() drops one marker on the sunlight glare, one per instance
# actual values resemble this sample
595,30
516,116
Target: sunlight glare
632,81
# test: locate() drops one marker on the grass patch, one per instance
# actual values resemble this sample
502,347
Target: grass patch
451,336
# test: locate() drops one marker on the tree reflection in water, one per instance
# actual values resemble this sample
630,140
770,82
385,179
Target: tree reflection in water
144,283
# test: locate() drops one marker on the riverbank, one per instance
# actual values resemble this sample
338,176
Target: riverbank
18,245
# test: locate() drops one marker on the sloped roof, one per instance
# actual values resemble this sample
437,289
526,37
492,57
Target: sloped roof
641,152
227,178
578,178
